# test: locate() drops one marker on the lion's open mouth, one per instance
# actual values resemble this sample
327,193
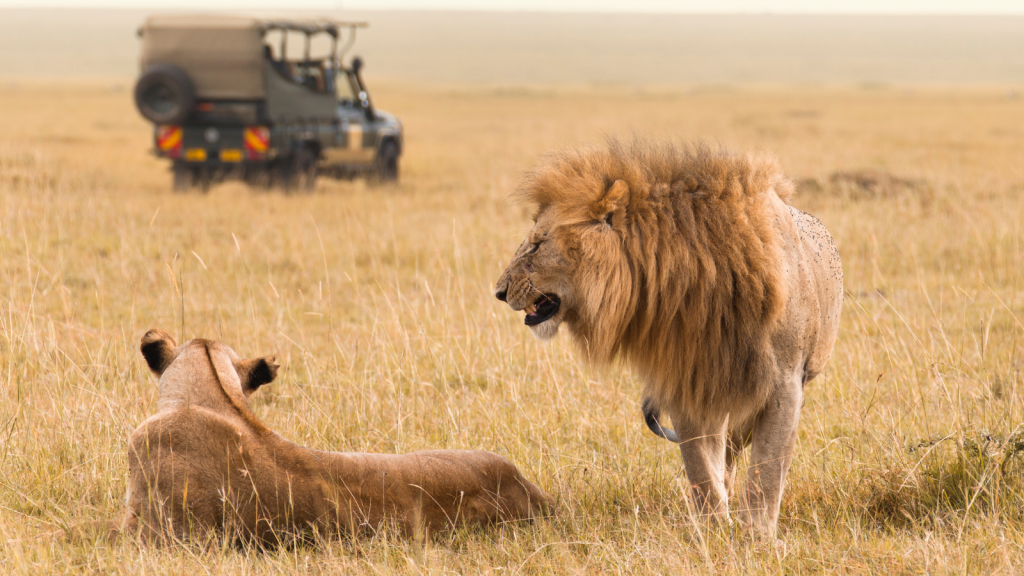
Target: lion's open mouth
542,310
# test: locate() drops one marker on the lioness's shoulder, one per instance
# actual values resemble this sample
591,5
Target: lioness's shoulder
172,428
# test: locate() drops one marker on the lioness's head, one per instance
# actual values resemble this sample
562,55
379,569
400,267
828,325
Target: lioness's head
203,372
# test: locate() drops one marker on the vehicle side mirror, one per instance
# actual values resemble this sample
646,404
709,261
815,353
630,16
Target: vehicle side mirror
364,96
364,102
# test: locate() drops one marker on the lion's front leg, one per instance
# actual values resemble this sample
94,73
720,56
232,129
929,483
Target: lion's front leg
704,457
774,436
739,439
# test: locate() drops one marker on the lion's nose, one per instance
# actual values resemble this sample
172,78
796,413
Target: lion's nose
501,294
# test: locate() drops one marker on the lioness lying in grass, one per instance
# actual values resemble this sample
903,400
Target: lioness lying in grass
206,463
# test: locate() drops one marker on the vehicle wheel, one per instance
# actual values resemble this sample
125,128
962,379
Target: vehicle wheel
165,94
183,178
204,179
304,169
281,174
386,169
259,178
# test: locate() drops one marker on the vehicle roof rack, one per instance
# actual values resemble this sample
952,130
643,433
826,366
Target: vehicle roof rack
206,21
311,27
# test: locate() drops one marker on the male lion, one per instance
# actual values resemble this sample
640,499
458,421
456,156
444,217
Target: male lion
206,463
689,265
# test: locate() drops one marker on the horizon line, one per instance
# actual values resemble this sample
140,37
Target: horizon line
206,8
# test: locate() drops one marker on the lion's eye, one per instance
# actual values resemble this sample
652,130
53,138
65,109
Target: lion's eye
533,248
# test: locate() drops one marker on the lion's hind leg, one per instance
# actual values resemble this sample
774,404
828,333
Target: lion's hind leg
774,436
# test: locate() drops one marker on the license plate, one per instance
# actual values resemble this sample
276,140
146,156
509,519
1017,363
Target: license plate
195,154
231,155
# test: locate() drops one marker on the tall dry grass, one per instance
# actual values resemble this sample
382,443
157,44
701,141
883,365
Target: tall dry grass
378,303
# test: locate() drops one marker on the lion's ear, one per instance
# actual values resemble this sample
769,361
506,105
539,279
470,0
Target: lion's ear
256,372
615,198
158,350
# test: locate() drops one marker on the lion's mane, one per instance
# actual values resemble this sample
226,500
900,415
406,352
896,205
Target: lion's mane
691,294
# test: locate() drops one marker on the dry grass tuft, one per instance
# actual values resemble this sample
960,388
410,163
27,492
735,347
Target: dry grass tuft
867,185
950,476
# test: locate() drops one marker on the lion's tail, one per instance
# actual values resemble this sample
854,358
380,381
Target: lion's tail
651,419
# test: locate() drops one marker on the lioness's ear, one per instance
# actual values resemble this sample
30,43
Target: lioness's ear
256,372
158,350
616,197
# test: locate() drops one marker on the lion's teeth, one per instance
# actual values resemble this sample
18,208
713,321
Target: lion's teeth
530,309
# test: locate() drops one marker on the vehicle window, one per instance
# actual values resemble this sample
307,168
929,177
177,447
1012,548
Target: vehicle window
345,92
310,75
315,74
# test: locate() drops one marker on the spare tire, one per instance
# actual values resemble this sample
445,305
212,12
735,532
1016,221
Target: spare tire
165,94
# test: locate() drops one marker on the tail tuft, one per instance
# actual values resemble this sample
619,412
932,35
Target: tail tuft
651,419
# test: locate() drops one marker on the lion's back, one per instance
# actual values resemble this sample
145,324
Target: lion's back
822,264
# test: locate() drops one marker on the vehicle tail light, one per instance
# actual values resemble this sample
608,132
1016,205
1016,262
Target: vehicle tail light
257,142
169,140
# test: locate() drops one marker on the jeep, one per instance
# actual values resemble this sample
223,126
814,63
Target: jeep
224,105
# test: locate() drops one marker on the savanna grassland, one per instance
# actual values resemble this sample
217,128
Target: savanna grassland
378,303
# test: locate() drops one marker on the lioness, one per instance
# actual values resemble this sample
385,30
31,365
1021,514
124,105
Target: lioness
206,462
689,265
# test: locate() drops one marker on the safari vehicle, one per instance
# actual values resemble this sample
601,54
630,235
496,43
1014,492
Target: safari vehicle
224,105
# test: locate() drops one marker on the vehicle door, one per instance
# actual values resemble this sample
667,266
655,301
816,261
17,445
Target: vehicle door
355,141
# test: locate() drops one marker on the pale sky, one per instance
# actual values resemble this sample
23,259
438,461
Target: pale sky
695,6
